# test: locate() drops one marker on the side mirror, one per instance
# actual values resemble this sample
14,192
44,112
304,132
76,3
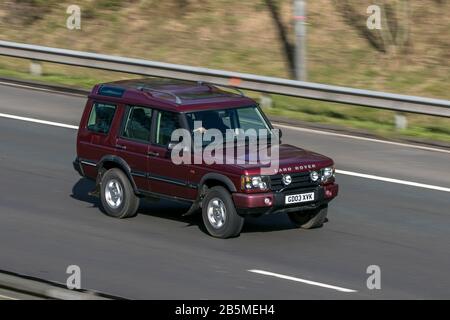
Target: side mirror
280,135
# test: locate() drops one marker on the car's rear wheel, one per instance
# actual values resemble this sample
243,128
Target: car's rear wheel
309,219
219,214
117,195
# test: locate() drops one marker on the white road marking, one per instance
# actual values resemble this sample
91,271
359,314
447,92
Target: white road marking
35,88
404,182
49,123
328,133
313,283
349,173
7,298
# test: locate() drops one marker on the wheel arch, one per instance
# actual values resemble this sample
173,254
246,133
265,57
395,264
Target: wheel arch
213,179
112,161
208,181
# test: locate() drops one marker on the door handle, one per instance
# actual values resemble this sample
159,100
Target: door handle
119,146
153,154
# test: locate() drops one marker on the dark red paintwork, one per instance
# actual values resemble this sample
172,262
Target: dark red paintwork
181,181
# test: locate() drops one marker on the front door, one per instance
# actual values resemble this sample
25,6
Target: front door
165,176
133,142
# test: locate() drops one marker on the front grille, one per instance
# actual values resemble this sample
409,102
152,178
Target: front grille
299,180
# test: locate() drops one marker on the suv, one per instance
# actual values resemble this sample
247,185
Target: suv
124,143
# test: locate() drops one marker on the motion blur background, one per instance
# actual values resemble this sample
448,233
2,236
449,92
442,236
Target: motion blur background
410,55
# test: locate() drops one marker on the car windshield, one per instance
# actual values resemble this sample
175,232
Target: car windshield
239,120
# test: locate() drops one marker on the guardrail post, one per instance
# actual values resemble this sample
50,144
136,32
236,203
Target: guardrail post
265,101
401,122
35,68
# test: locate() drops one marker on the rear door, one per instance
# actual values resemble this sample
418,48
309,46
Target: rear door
132,143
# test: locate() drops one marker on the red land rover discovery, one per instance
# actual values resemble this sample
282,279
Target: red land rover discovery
125,144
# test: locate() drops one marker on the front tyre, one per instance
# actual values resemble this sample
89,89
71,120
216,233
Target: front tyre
117,195
309,219
219,214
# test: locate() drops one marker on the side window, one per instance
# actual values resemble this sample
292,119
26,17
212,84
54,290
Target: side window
166,123
251,118
101,117
138,124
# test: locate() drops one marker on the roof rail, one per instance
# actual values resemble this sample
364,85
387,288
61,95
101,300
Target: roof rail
177,98
213,85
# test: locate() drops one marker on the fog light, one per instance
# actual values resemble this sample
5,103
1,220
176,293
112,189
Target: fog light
268,201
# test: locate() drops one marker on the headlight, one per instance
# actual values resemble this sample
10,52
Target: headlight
255,183
314,176
327,174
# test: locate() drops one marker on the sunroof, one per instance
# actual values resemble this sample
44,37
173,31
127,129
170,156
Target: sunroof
202,95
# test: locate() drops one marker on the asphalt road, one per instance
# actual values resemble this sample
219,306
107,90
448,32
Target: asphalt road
48,222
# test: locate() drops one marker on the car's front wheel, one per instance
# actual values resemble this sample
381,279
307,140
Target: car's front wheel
309,219
117,195
219,214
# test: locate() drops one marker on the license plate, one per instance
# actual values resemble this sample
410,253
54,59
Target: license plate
297,198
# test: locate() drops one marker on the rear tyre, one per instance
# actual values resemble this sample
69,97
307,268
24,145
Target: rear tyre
219,214
309,219
117,195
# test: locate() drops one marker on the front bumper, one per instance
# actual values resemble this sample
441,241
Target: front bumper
274,202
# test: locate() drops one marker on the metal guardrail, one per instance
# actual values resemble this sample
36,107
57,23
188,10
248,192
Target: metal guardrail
309,90
31,288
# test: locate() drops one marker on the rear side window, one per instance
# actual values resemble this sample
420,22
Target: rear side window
101,117
138,124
